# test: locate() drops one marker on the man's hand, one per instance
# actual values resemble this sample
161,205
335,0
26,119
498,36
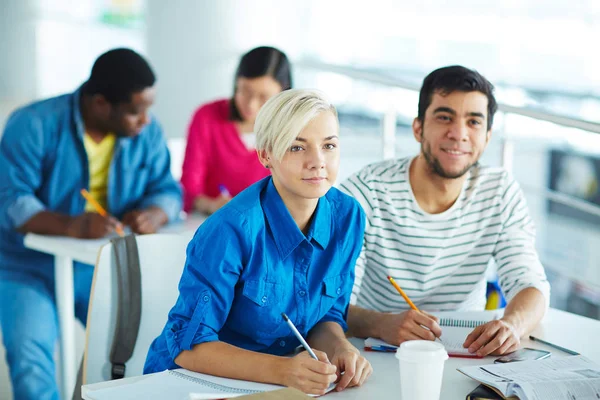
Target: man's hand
355,367
91,226
496,337
145,221
409,325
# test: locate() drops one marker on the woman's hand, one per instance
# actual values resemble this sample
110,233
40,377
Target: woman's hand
355,368
307,374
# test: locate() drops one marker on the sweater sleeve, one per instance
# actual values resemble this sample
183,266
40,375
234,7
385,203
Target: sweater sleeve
519,266
193,174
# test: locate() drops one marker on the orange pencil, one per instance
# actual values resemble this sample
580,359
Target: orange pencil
410,303
99,209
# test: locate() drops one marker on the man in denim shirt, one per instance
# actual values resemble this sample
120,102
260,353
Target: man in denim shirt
101,138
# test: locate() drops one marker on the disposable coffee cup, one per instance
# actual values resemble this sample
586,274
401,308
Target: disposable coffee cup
421,369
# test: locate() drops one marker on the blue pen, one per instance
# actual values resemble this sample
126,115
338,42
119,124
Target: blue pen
224,191
384,348
299,336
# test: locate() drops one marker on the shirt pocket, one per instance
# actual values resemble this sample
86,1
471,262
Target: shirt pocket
260,308
332,288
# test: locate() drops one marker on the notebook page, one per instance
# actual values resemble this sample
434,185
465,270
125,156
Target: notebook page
230,385
453,338
155,387
457,325
178,384
226,385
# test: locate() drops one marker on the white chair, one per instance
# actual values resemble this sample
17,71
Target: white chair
162,257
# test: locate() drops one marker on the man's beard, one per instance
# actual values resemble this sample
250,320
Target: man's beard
435,165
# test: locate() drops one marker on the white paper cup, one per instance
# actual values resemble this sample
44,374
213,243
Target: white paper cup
421,369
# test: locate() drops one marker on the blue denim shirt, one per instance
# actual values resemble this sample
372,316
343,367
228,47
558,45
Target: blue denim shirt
250,262
43,166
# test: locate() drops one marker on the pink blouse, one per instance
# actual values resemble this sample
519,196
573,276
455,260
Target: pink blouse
215,155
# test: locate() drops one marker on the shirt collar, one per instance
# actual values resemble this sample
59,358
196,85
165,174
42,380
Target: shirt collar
77,112
78,119
320,228
286,234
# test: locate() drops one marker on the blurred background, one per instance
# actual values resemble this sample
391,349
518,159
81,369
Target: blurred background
370,57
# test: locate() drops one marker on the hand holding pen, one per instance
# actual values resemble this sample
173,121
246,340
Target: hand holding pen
309,371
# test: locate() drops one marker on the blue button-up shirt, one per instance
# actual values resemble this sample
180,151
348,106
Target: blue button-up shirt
43,166
250,262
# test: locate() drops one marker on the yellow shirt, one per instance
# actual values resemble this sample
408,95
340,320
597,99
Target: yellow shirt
99,157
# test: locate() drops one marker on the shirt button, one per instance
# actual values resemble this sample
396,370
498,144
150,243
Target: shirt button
264,299
205,298
282,343
339,290
302,293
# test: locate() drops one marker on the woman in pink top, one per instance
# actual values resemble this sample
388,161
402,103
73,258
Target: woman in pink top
220,159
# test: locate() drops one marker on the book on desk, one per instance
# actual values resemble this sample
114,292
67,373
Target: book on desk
483,392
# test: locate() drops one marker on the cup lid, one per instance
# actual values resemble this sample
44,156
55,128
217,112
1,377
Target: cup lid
421,350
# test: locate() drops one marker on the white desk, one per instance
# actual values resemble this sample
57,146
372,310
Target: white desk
66,251
568,330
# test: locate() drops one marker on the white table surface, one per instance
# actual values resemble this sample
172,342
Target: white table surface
65,251
86,250
565,329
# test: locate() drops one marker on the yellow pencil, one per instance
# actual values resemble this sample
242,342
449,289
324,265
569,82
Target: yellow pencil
410,303
99,209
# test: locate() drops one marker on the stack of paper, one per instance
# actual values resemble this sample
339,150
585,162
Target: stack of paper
572,377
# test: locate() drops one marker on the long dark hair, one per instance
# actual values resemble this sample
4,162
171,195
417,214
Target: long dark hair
259,62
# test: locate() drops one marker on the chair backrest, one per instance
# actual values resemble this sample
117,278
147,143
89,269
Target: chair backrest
162,257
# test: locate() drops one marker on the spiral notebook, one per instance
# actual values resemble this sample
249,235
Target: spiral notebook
179,384
456,326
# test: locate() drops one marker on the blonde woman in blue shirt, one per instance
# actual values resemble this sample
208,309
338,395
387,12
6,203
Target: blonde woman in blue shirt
286,244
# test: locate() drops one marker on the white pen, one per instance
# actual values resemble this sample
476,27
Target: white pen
299,336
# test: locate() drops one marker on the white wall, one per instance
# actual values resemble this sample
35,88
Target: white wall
49,47
17,46
194,47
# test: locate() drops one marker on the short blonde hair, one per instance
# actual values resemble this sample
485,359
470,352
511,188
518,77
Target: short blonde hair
282,118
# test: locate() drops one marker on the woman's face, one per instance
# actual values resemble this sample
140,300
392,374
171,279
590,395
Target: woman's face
252,93
310,166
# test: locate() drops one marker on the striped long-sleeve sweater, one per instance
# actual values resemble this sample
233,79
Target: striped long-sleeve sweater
440,260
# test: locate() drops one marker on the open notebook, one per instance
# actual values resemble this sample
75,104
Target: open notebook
456,326
178,384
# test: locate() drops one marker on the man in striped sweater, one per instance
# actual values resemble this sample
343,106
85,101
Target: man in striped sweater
435,221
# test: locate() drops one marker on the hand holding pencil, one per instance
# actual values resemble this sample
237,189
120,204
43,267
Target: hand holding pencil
94,225
413,324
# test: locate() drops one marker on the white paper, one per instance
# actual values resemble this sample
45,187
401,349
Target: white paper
572,377
178,385
182,384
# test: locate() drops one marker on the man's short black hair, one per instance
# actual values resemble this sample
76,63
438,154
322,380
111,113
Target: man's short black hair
456,78
119,73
